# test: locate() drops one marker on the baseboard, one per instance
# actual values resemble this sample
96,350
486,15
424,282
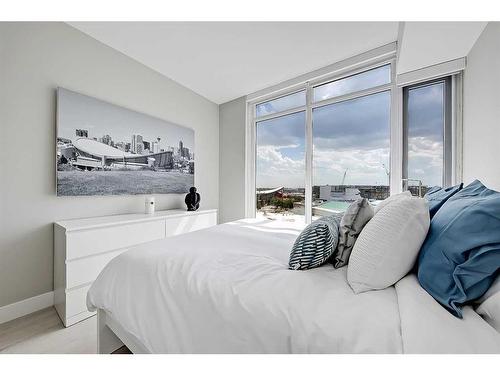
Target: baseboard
25,307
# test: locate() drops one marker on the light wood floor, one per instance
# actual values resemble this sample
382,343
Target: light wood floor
43,332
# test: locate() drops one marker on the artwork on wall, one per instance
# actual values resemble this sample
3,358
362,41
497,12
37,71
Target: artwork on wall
104,149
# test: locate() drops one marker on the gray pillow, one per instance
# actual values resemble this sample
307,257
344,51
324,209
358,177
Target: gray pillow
355,218
316,243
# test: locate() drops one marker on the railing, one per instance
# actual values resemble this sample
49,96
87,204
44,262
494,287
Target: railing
405,185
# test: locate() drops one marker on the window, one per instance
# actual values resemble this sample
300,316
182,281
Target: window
427,126
351,142
313,158
326,142
358,82
281,104
280,167
280,157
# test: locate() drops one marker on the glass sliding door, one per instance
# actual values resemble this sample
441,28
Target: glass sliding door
351,143
427,146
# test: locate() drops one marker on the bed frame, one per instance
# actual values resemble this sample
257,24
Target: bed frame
111,336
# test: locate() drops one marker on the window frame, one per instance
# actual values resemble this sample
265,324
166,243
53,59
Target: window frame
450,137
355,65
308,86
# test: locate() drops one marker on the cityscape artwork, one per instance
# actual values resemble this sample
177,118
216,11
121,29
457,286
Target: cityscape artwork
104,149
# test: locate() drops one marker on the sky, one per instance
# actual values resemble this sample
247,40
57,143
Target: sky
353,135
77,111
425,132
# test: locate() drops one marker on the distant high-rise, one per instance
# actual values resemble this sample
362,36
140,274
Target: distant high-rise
140,148
137,146
155,148
120,146
147,145
106,139
82,133
181,148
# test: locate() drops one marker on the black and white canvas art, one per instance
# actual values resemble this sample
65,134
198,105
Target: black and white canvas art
105,149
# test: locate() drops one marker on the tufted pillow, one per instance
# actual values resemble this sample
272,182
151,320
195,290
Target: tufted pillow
355,218
461,255
316,243
388,245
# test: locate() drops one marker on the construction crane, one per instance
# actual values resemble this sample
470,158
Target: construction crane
343,178
387,173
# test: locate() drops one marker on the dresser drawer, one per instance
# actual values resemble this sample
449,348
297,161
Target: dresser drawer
76,301
86,270
83,247
189,223
95,241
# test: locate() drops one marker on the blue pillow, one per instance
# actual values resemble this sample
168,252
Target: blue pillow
461,254
437,196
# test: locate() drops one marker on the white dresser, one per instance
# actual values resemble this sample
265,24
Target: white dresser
82,248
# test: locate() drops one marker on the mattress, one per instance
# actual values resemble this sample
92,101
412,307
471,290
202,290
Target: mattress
227,289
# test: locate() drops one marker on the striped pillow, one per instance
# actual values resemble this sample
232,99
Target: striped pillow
316,243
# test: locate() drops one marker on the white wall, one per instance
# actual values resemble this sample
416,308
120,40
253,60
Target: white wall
35,58
481,143
423,44
232,160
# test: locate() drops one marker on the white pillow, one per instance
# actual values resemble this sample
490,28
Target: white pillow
392,199
489,308
490,311
494,288
389,244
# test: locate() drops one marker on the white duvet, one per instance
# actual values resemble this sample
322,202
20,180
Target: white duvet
227,289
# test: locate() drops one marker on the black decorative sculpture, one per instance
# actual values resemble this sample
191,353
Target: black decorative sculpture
192,200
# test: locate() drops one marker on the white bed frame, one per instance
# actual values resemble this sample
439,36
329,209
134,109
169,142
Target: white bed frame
111,336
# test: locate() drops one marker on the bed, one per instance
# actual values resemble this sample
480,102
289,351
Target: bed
227,289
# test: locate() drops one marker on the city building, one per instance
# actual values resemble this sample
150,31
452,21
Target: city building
350,192
106,139
82,133
86,153
137,145
120,146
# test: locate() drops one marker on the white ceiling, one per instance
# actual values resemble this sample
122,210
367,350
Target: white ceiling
226,60
429,43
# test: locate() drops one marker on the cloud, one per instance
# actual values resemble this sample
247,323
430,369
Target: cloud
281,104
274,168
425,160
362,81
282,131
425,112
364,167
352,135
362,123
